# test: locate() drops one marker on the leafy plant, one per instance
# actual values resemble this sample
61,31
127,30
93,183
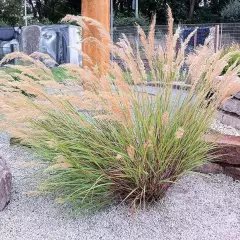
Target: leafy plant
121,21
235,59
106,140
3,24
231,12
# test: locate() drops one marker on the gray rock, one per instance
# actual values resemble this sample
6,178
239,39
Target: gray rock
237,95
5,184
233,172
228,120
31,36
49,63
232,106
227,149
210,168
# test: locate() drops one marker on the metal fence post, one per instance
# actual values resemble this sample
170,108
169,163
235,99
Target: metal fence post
216,38
111,27
221,35
195,39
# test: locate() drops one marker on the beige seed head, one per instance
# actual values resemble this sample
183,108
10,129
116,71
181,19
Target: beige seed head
180,132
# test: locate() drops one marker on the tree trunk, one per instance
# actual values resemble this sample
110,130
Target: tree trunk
33,9
129,7
39,10
115,7
121,7
191,8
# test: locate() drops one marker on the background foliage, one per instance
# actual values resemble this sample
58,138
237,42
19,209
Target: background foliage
121,20
231,12
11,12
185,11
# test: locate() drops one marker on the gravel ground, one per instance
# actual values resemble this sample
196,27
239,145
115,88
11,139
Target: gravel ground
200,207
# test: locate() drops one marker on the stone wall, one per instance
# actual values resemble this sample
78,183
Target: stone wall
229,113
227,156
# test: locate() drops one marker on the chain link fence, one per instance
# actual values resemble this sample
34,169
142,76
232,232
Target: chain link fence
218,35
225,34
229,33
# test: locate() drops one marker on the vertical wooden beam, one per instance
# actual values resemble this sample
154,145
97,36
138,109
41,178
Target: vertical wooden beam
100,11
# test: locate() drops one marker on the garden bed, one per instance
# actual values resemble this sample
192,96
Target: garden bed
199,207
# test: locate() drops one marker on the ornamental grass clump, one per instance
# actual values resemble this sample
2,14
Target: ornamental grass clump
105,139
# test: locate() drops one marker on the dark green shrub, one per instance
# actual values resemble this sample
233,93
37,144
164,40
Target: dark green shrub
234,58
121,21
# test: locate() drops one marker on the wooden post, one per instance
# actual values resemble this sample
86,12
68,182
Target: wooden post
100,11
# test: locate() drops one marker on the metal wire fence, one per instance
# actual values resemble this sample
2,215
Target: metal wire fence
229,33
225,33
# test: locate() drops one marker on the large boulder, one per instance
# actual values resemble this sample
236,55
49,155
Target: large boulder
233,172
5,184
213,168
227,155
228,119
232,106
228,148
237,95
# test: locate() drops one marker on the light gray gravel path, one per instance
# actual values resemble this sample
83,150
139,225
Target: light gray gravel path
200,207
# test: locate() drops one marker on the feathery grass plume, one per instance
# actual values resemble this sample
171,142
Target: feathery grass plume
165,118
179,133
109,139
97,38
28,59
38,55
85,22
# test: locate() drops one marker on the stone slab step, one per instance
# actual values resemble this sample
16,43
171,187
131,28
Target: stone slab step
228,150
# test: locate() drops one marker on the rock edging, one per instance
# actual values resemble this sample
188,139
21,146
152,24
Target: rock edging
229,113
227,156
5,184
